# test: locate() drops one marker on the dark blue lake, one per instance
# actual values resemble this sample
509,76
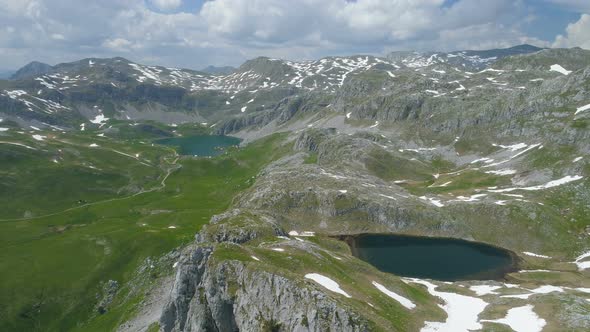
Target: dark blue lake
202,146
432,258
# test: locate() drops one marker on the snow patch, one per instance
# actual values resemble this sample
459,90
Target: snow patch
550,184
402,300
514,147
481,290
579,261
39,137
521,319
99,119
433,201
327,283
535,255
303,234
484,160
582,109
502,172
462,311
560,69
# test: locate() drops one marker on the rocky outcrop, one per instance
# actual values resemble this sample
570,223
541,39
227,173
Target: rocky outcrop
230,295
310,140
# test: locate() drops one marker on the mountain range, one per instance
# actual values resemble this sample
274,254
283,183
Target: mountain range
485,146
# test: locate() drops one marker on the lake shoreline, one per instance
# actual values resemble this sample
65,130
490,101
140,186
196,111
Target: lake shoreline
496,274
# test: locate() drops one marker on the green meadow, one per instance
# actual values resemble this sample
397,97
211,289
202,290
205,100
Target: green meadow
76,217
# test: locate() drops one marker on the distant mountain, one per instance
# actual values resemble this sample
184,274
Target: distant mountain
31,70
6,74
504,52
264,89
468,59
213,70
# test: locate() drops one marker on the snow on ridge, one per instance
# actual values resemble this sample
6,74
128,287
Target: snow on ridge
521,319
550,184
502,172
402,300
560,69
14,94
484,160
514,147
327,283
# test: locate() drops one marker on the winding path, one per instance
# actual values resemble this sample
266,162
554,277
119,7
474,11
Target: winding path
161,186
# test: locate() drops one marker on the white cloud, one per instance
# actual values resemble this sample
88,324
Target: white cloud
118,44
230,31
577,34
166,4
581,6
58,36
342,21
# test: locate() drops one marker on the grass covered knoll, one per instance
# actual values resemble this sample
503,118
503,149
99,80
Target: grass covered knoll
53,269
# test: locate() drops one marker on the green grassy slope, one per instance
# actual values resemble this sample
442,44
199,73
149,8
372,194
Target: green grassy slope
53,268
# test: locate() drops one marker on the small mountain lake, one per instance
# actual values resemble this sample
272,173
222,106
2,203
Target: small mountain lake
432,258
201,145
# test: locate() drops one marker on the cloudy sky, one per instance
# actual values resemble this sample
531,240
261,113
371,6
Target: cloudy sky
196,33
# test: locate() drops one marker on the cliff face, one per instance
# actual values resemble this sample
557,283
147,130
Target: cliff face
233,296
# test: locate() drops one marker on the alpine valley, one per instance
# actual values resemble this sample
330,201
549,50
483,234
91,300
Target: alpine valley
111,223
